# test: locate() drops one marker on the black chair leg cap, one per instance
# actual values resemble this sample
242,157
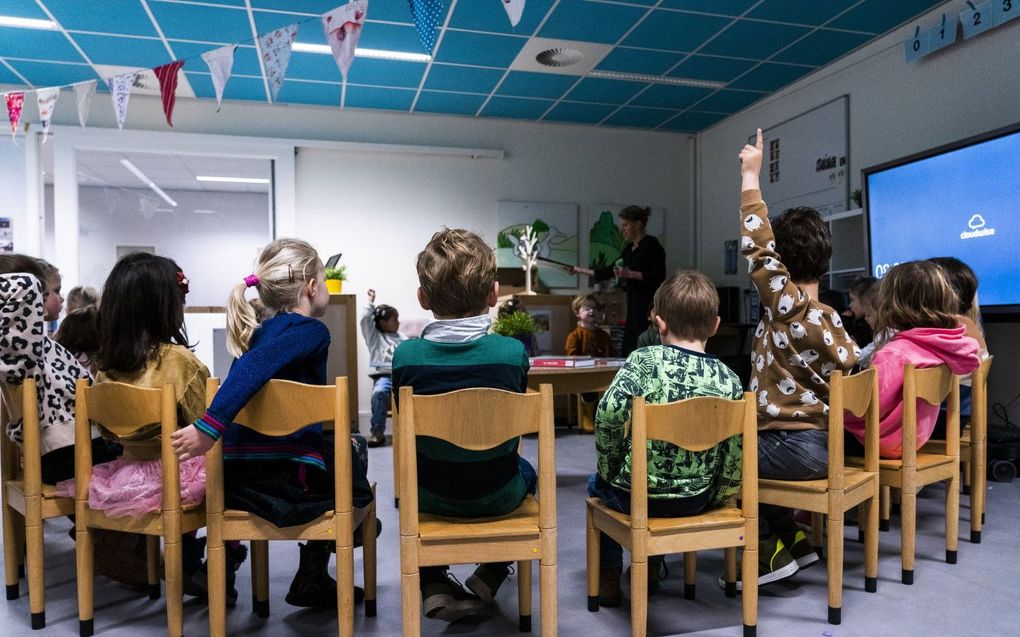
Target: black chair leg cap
950,557
835,616
13,592
85,628
883,525
396,503
39,620
907,577
524,624
750,631
975,537
870,584
370,608
593,603
688,591
154,591
262,609
731,590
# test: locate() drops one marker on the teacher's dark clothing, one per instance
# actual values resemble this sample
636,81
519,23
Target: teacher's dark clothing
649,259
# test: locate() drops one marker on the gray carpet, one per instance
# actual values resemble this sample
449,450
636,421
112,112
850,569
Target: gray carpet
975,596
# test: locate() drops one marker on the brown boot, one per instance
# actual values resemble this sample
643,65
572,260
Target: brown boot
610,594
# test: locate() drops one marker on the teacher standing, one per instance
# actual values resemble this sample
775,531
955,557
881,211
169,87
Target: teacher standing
640,270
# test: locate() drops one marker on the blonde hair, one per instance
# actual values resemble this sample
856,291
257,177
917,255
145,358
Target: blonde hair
688,303
283,268
583,300
81,297
456,271
915,294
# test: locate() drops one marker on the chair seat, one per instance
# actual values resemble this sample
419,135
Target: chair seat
53,505
521,523
724,518
852,478
924,461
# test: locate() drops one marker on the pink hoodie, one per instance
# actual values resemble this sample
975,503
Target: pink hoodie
922,347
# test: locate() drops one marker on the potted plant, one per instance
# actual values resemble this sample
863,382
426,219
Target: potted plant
519,325
335,278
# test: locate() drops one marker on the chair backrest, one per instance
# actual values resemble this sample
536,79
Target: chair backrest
10,456
124,409
857,394
280,408
476,419
694,424
933,385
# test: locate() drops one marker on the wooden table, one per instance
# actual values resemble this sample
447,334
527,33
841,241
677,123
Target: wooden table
573,380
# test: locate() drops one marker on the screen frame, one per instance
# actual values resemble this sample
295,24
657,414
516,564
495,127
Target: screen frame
993,312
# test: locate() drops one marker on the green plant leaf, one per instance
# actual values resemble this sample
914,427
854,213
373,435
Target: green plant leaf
515,324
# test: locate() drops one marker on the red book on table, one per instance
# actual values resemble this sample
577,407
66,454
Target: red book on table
562,361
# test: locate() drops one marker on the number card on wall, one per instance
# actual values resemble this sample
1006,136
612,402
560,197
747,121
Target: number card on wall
942,34
977,19
916,46
1004,10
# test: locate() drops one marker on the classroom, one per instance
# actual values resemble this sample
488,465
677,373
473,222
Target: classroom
567,138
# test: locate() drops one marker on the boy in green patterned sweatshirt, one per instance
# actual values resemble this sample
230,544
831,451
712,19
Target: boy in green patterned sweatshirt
680,482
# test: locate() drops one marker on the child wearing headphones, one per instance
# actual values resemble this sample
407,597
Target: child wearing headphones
379,325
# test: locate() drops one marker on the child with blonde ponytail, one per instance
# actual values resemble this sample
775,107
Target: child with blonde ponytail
286,480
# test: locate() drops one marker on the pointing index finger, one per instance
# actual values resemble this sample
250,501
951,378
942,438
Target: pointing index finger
758,143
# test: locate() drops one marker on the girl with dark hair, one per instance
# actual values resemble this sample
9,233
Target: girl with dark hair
379,326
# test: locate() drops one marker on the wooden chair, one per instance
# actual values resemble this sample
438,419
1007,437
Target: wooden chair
27,502
479,419
845,487
281,408
694,424
124,409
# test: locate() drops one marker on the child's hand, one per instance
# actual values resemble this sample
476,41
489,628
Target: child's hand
190,443
371,296
750,163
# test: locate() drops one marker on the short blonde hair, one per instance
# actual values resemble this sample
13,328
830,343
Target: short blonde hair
916,294
689,304
81,297
456,271
583,300
283,268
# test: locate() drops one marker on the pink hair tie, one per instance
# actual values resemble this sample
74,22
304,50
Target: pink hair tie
251,280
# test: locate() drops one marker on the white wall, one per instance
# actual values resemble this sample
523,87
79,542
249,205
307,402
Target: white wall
12,189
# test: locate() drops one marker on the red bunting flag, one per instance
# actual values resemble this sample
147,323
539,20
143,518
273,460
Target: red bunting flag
167,76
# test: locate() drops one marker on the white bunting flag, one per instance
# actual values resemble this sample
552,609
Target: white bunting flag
220,62
120,91
275,48
343,29
83,92
514,10
46,100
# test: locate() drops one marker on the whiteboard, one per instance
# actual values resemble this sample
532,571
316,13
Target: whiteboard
807,160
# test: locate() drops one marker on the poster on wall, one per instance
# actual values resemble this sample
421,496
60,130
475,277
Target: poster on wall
555,225
6,235
605,241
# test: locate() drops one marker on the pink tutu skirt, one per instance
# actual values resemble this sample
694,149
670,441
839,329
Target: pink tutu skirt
134,488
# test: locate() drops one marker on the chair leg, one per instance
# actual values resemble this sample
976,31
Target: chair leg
638,598
84,562
730,570
908,533
886,508
36,567
345,589
174,583
216,562
749,576
524,596
835,567
967,483
410,593
690,573
10,552
368,559
952,518
593,543
977,492
818,532
260,577
548,600
152,565
869,521
396,466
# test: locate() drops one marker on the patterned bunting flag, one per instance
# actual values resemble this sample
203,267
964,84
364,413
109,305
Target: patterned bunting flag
514,10
343,28
426,15
120,92
220,62
14,103
167,76
46,100
275,48
83,92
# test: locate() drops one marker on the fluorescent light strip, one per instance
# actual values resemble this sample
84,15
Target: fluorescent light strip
656,79
378,54
148,182
233,180
204,211
27,23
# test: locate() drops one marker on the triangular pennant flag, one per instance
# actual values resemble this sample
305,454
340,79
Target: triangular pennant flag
343,28
426,14
83,92
275,47
514,10
167,76
220,62
14,103
46,100
120,91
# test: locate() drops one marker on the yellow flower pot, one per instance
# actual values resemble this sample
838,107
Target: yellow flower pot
335,286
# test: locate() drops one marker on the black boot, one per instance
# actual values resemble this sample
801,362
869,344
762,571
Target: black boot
197,583
312,586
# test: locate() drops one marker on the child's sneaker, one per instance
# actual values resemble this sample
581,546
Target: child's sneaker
487,579
800,548
445,599
774,563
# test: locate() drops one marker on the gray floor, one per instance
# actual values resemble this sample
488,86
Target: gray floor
974,597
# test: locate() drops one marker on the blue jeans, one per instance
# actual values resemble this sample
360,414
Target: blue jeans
789,455
380,403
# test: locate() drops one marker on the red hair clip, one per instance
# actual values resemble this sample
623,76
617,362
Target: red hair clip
182,283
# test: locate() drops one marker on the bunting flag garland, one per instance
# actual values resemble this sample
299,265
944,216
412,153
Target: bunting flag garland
343,29
275,47
426,14
220,62
120,91
46,100
83,92
167,76
514,10
14,103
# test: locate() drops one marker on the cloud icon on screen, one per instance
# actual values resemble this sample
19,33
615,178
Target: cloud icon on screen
977,221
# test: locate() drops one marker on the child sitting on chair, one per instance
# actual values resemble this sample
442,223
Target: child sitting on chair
680,482
379,325
587,339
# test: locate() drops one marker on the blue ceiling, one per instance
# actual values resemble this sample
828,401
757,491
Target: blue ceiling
754,47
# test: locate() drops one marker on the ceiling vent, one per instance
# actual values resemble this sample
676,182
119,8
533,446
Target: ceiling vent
558,57
562,57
